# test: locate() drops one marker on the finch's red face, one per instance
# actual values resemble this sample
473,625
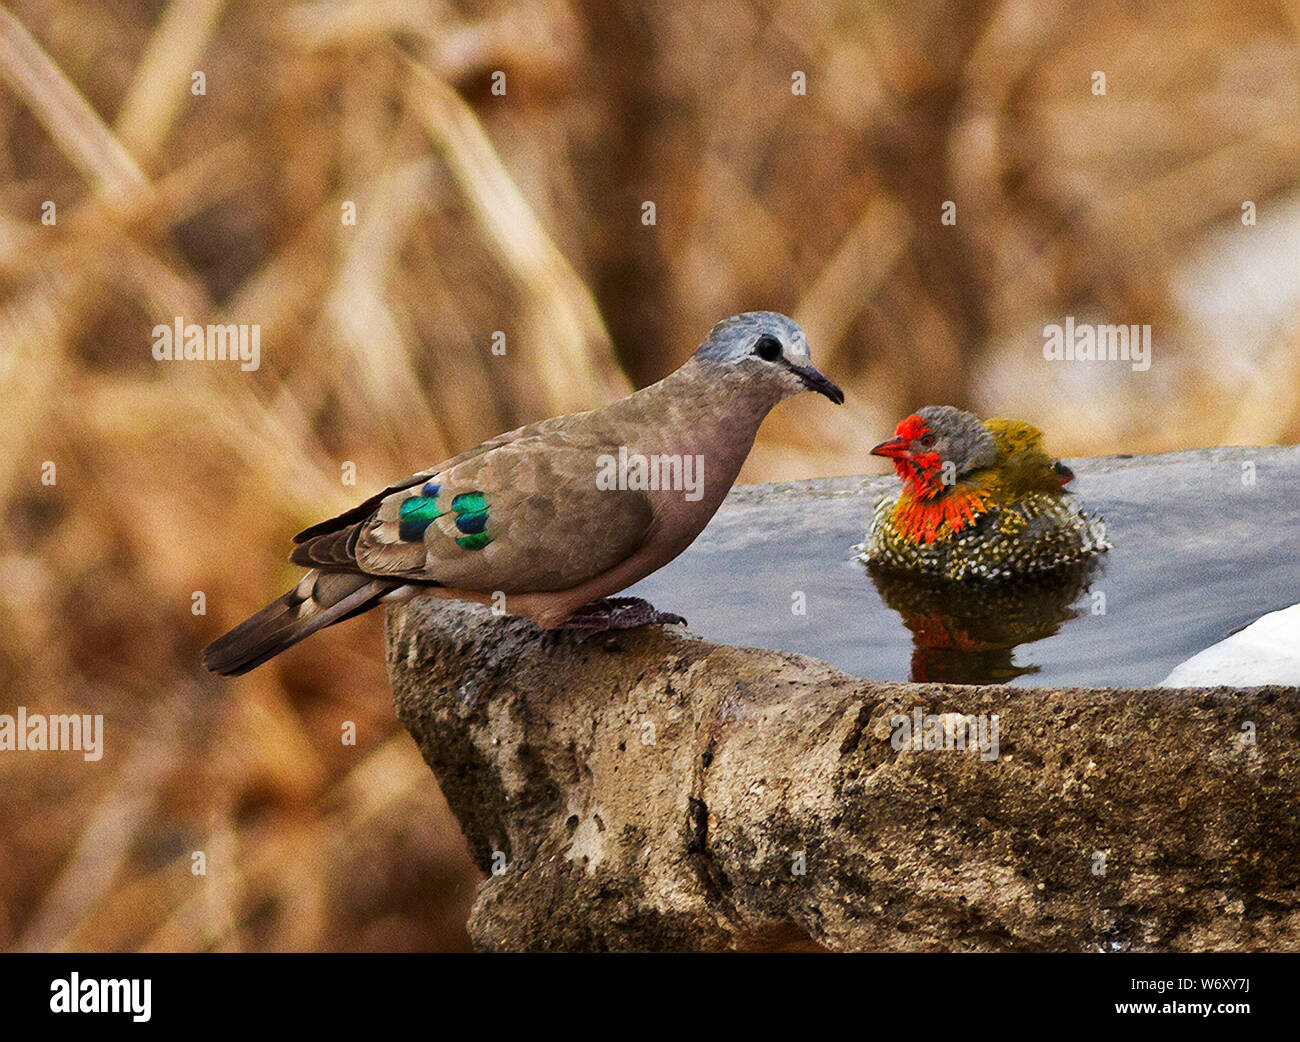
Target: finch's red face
912,448
931,450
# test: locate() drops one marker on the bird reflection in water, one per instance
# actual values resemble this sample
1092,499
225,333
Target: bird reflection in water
967,633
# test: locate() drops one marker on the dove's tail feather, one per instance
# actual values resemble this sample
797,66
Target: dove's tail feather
320,600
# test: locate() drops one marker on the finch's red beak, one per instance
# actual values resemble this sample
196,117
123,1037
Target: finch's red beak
894,448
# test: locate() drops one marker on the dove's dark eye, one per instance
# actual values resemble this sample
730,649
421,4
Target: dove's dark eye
768,348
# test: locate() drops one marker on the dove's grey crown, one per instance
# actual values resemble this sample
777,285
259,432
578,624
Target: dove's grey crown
733,339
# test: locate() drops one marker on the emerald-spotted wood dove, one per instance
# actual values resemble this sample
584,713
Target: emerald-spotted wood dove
549,520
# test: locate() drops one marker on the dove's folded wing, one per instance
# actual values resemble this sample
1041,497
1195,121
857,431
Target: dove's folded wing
520,515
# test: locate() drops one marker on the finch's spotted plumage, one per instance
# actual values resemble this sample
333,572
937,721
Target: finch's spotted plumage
979,501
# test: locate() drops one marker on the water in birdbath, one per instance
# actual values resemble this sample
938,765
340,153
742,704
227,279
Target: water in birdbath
1203,543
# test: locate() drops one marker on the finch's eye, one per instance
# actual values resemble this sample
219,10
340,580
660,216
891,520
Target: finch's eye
768,348
927,440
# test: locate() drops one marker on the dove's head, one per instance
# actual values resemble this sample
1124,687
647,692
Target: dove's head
768,350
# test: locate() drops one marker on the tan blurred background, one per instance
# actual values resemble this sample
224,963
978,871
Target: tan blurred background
479,212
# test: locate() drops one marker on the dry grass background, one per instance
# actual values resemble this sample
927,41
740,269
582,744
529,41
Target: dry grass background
479,213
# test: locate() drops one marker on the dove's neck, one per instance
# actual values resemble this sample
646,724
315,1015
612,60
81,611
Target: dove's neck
703,411
696,425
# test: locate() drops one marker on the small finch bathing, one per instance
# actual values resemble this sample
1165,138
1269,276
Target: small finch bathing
979,501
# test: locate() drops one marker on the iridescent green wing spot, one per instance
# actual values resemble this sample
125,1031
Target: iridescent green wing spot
418,513
471,512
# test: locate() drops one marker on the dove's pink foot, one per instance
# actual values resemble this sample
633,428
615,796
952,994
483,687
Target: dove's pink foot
619,613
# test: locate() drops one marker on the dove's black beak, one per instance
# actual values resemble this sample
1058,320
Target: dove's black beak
814,380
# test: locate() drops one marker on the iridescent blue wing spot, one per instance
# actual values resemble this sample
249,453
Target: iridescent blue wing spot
415,515
471,512
472,524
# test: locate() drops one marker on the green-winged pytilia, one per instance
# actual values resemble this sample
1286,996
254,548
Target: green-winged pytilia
548,521
979,501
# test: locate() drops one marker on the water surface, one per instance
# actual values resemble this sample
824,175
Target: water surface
1199,552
